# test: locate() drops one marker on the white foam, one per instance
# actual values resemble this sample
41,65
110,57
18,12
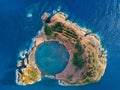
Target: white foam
23,53
19,61
29,15
31,46
59,8
17,77
32,43
54,11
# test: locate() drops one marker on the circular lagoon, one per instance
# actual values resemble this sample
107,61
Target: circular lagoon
51,57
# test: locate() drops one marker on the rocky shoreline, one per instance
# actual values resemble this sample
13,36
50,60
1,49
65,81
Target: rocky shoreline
94,55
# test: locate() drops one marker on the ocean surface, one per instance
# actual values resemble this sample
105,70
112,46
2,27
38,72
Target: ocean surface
20,21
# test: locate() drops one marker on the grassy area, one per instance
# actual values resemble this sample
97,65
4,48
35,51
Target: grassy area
77,59
30,75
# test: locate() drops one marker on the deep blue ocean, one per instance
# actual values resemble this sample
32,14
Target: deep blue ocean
20,21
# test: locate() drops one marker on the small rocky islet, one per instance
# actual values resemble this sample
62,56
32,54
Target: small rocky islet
87,61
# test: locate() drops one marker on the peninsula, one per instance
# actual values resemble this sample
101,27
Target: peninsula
87,60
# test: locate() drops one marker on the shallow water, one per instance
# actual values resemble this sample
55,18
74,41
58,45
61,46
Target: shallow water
52,57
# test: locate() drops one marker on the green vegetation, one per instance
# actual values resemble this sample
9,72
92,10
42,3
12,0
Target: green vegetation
71,34
78,46
33,73
30,75
58,27
55,35
48,30
89,74
91,58
66,36
87,81
77,59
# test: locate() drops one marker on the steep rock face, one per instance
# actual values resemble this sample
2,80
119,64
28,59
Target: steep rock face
45,17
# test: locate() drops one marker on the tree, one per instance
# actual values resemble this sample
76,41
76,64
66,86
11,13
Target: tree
48,30
77,59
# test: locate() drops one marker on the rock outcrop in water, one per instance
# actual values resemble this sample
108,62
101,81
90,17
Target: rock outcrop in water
87,60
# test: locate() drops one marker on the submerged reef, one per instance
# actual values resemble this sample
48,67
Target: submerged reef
87,60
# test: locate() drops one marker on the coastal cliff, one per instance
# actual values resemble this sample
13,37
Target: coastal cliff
87,60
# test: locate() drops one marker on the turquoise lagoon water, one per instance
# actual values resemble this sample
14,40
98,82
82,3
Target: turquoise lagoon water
51,57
